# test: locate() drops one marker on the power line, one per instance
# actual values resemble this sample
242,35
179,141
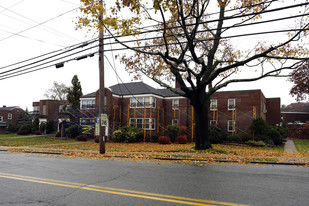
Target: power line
253,5
140,47
250,34
51,30
75,46
76,58
39,40
11,6
26,71
38,24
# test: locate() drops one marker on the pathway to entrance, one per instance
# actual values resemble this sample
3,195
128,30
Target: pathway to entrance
289,146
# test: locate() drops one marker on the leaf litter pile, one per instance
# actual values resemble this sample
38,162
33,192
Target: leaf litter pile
180,153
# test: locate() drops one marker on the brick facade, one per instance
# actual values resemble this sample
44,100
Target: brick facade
46,110
9,116
121,112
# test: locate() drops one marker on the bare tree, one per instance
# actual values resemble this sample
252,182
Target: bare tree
57,92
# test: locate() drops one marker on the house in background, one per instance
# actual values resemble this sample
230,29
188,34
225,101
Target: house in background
9,116
140,105
296,113
46,110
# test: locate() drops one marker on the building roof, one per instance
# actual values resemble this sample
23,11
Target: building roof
91,95
134,88
5,108
140,88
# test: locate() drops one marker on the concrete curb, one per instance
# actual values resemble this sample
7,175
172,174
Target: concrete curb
182,159
236,161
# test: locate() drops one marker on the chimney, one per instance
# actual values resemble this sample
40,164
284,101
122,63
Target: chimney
4,105
177,85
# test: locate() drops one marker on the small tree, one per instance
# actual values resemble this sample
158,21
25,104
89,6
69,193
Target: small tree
36,125
43,126
258,126
50,126
75,92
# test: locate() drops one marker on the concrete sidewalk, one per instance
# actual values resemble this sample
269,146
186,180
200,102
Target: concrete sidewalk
289,147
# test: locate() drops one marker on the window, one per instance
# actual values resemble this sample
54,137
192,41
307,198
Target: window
265,110
88,103
231,104
147,123
141,102
230,126
175,104
36,109
87,121
44,110
64,108
175,122
213,104
1,118
213,123
10,115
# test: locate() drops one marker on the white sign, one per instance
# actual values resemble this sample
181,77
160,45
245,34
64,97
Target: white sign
97,129
104,120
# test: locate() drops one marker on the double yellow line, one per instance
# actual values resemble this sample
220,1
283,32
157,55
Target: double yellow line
115,191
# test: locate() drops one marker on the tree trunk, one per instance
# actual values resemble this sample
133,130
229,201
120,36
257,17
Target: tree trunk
201,133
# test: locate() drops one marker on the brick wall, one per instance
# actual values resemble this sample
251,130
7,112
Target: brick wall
273,114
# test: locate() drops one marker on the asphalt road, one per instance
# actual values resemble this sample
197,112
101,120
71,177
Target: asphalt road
36,180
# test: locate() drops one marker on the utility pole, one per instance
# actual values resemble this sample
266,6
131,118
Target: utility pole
101,88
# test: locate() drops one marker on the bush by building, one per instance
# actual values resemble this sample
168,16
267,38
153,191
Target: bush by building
216,135
50,126
172,132
164,140
182,139
270,135
127,134
43,127
155,136
73,131
82,137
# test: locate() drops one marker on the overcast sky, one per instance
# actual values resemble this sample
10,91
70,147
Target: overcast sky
29,28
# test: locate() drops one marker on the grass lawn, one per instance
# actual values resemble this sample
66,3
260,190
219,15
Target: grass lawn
302,146
8,135
29,141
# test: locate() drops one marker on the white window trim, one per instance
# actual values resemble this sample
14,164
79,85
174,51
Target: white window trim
84,103
228,104
1,118
175,122
10,116
175,106
212,122
141,100
228,125
213,107
152,122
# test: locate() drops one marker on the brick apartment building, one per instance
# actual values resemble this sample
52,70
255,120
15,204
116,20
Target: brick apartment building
9,116
138,104
50,110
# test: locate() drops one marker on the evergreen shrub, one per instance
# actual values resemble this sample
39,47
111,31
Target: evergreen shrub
172,132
